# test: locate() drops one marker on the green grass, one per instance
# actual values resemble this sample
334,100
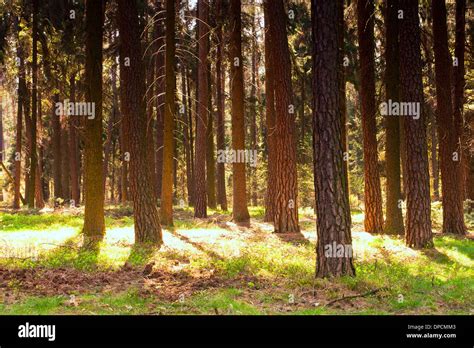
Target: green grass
258,279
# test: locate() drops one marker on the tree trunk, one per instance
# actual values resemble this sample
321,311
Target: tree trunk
451,188
200,190
269,122
110,124
65,187
39,194
373,221
210,154
418,224
239,206
221,189
160,87
74,158
94,223
56,140
191,137
33,154
2,142
253,107
169,122
394,218
285,214
19,126
459,83
186,140
132,82
332,201
150,106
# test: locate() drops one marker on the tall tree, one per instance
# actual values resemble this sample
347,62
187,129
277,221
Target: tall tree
253,104
373,221
269,122
34,109
19,119
200,189
210,153
459,83
132,82
170,110
332,201
221,189
451,188
285,213
393,211
94,221
74,159
239,205
418,223
159,36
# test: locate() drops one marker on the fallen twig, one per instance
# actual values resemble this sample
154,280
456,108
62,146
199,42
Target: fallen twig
368,293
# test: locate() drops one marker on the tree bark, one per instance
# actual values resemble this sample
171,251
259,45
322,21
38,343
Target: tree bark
239,206
418,220
33,154
220,95
459,83
94,222
200,190
74,158
332,201
393,210
132,82
210,153
285,214
451,188
373,221
169,122
19,126
160,87
269,122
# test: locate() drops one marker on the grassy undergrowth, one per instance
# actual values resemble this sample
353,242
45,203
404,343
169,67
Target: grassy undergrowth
256,272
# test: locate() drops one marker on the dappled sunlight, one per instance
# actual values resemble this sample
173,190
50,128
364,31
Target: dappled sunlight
16,243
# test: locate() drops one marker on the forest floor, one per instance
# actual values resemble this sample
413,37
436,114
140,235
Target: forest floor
212,266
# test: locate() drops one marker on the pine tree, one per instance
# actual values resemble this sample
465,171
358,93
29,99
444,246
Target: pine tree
332,201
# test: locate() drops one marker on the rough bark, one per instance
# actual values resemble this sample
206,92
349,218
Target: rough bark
418,220
451,188
19,126
94,223
210,151
332,201
373,219
220,136
160,83
459,83
34,109
200,190
133,107
239,205
393,210
285,214
169,121
269,122
74,159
